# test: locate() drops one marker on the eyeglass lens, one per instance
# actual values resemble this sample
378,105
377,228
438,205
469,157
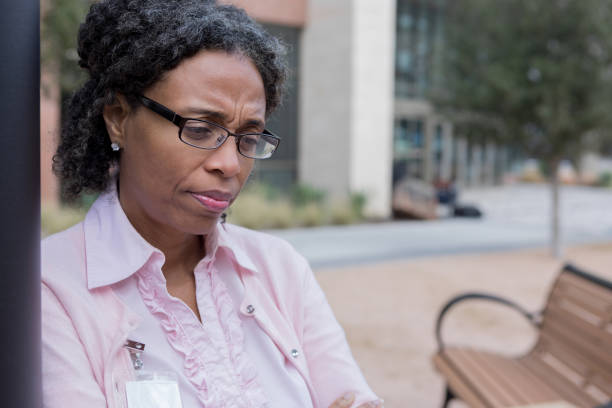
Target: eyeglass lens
207,135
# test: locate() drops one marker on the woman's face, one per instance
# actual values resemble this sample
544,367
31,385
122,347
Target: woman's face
167,186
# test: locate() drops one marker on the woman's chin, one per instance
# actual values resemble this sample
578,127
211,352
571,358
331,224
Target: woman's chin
201,225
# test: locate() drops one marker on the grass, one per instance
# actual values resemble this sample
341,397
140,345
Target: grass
259,206
55,218
262,207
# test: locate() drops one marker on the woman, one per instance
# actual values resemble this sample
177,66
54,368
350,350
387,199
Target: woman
167,128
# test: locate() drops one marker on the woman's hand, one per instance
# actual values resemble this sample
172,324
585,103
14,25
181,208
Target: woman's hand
347,399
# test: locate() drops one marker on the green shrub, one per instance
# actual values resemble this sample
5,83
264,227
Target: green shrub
310,215
605,179
259,206
262,206
253,210
358,202
341,213
303,194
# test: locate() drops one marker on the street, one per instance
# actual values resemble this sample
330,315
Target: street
515,217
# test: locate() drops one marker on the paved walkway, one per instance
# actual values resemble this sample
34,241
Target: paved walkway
389,309
516,217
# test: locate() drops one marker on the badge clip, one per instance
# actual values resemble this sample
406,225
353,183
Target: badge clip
136,349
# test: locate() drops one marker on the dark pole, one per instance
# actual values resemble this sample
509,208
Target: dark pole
20,204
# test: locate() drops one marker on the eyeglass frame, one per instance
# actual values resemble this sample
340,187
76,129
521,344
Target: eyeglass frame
180,121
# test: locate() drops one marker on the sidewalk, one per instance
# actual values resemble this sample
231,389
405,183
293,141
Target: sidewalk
388,311
515,217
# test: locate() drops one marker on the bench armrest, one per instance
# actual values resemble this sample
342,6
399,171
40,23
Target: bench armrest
534,318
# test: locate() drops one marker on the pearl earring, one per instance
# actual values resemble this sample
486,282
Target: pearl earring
115,146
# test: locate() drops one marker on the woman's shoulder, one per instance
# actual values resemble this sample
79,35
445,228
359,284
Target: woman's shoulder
256,239
262,247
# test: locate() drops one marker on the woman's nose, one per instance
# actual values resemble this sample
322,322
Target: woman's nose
225,159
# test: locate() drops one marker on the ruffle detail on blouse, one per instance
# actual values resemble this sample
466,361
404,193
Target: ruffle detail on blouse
215,361
232,327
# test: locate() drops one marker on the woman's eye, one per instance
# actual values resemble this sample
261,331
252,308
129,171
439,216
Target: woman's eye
198,132
248,144
249,140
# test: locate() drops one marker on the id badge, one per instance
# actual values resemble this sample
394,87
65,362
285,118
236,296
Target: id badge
153,389
149,389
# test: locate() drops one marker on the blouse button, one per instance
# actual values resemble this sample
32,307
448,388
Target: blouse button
295,353
250,309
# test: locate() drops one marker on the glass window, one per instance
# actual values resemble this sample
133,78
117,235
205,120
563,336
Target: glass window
281,169
418,31
408,137
408,143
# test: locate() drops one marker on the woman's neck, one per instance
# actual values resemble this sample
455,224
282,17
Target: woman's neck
182,256
182,251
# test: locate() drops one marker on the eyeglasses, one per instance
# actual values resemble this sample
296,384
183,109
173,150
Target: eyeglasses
207,135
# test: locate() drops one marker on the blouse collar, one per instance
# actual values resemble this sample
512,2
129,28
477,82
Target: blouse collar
115,250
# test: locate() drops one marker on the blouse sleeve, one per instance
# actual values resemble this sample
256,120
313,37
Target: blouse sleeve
68,380
333,369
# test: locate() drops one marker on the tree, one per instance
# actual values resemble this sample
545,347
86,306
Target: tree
533,74
59,28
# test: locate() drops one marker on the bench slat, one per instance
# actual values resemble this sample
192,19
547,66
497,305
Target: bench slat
524,387
493,392
582,301
604,383
591,344
499,381
458,383
533,385
583,363
570,364
583,298
566,389
571,361
577,332
594,291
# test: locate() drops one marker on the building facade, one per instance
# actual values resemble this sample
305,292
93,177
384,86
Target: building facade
356,117
362,73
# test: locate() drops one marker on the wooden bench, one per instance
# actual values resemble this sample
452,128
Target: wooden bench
571,361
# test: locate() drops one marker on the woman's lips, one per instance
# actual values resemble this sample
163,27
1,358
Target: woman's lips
213,201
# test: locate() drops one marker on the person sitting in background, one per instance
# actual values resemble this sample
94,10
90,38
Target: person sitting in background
167,129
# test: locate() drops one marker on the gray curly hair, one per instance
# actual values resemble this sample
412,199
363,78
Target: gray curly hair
126,46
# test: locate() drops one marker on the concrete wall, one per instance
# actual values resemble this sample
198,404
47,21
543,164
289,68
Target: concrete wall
475,166
446,166
325,97
488,177
346,116
461,170
373,56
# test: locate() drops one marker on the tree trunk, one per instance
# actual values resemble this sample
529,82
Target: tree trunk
555,236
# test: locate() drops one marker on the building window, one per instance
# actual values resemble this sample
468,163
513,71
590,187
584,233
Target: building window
408,148
418,40
438,152
408,138
281,170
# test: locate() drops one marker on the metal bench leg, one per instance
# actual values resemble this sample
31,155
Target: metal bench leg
448,396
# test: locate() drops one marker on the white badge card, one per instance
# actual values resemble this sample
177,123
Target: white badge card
153,389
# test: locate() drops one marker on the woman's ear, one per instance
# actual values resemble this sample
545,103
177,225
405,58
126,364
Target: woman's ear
115,116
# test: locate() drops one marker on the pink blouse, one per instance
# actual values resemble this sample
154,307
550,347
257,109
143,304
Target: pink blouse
267,338
224,361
